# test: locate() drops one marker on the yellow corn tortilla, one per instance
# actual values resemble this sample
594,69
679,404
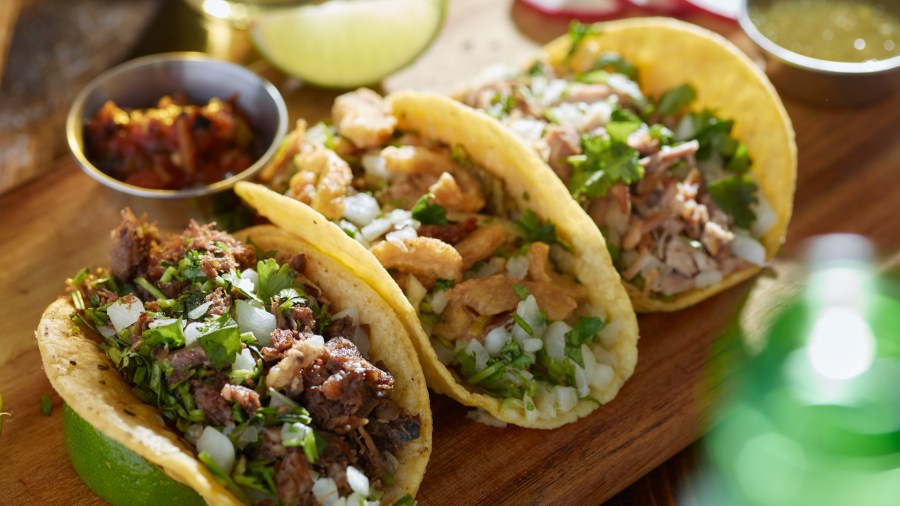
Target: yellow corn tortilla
668,53
531,184
71,357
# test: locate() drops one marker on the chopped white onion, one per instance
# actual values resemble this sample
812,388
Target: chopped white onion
495,340
357,481
554,90
684,130
566,398
555,340
568,114
609,336
532,345
193,433
765,216
361,339
200,310
125,311
481,355
161,322
254,319
244,361
361,209
374,166
517,267
352,312
252,277
530,312
218,446
528,130
325,491
582,380
748,248
316,341
439,301
530,414
106,331
192,331
379,226
707,278
398,236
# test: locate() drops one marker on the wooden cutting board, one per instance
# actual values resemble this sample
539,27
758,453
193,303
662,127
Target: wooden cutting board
55,225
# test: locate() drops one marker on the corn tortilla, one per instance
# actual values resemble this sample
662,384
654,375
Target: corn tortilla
531,184
104,399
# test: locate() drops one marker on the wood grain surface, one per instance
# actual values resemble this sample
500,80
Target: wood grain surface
848,173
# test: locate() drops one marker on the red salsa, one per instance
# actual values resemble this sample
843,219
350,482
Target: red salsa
171,146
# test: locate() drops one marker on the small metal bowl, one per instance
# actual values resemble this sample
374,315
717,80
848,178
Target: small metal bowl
823,81
141,82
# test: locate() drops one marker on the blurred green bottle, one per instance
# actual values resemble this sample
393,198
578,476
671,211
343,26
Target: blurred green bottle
815,419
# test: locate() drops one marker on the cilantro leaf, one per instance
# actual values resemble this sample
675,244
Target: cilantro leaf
577,33
604,163
622,123
429,213
535,230
584,332
735,194
676,99
714,136
171,336
614,61
222,341
444,284
273,279
522,291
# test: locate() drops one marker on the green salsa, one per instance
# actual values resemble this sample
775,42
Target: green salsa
834,30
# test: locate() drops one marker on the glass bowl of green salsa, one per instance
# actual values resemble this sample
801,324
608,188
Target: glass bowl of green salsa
836,52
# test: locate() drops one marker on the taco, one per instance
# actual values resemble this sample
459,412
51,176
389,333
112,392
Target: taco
671,139
249,377
504,282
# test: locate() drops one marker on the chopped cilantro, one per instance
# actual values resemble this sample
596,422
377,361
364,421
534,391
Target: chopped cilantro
535,230
577,33
429,213
522,291
171,336
675,100
221,476
714,136
444,284
622,124
614,61
522,323
662,134
735,195
272,278
584,332
46,404
303,436
604,163
222,341
501,105
406,500
152,290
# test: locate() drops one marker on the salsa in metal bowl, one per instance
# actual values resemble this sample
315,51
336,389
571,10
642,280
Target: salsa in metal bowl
171,146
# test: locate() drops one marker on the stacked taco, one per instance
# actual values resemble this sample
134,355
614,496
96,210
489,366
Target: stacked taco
252,369
504,282
671,139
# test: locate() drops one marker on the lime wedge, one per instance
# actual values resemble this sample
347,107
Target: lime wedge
347,43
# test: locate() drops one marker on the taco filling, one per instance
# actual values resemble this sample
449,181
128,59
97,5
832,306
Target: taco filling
491,281
669,187
244,360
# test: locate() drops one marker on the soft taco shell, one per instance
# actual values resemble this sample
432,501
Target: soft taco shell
668,53
531,184
104,399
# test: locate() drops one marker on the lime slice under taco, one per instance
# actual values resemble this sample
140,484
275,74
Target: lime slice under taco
251,370
671,139
505,283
